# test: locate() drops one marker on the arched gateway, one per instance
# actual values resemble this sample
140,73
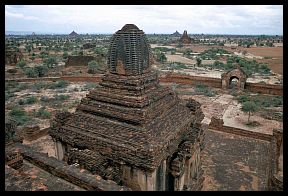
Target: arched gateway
234,78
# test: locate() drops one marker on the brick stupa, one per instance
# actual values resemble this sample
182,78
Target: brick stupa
185,39
130,129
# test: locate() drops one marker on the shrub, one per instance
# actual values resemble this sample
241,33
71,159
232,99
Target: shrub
261,101
8,95
42,70
243,98
58,84
204,90
50,61
31,72
177,66
198,61
218,65
31,100
43,113
45,99
92,67
20,87
19,115
21,64
90,85
61,97
65,55
39,85
28,100
161,57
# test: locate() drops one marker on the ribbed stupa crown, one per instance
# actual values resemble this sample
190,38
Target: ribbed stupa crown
129,52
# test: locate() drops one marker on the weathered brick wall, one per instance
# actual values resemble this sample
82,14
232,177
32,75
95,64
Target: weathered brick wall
218,125
183,79
33,132
71,174
13,159
272,89
33,79
97,78
79,60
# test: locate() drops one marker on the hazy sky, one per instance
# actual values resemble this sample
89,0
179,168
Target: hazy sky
213,19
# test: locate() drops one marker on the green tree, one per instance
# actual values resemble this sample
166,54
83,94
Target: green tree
41,70
31,72
28,48
92,67
187,52
249,107
21,64
50,62
161,57
198,61
65,55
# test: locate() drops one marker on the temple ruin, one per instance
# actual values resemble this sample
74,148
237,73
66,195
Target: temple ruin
185,39
130,129
73,34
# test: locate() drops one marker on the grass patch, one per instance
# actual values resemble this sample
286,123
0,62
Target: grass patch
58,84
90,85
205,90
263,101
19,115
61,97
45,99
39,85
8,95
29,100
43,113
176,66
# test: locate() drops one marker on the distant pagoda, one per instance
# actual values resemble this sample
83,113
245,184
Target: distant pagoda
130,129
185,39
176,34
73,34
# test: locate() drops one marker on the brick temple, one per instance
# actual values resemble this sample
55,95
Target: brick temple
130,129
185,39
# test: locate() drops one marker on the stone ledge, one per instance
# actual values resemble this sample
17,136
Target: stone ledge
81,178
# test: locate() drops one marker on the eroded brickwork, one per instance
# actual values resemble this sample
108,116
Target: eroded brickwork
132,130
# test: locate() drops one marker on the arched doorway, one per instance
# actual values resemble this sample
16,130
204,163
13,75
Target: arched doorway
234,79
234,82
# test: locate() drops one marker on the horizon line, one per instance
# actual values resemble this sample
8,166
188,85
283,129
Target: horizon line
8,32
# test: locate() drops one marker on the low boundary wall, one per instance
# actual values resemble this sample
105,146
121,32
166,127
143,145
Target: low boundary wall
218,125
272,89
185,79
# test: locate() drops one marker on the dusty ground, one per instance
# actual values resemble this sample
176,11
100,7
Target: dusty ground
182,59
179,58
225,107
43,144
275,63
157,45
75,90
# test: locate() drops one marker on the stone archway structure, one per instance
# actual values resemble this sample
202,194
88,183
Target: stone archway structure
237,73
